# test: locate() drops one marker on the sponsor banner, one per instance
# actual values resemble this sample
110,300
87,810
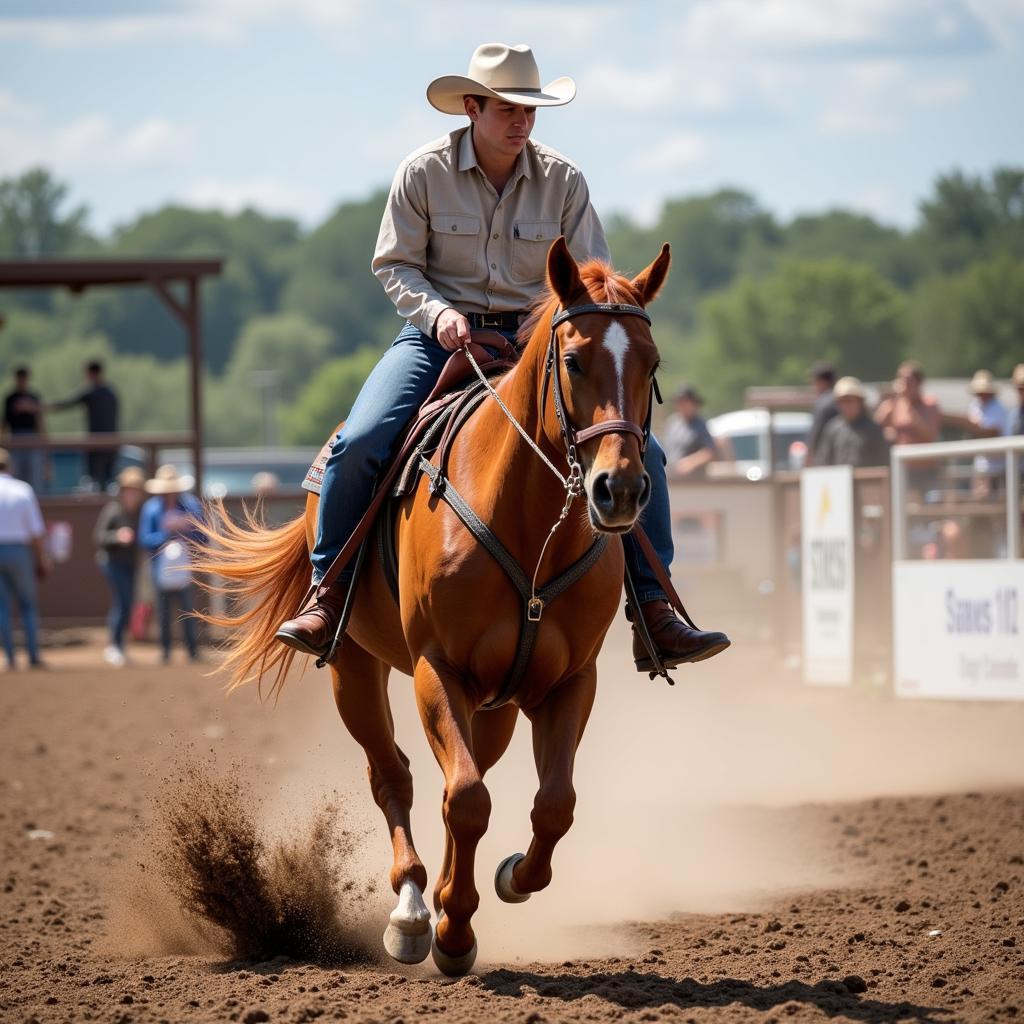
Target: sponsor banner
826,518
959,629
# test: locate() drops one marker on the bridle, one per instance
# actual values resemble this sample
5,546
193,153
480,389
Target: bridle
570,435
572,438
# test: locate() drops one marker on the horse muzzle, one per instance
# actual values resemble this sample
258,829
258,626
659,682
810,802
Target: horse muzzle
615,500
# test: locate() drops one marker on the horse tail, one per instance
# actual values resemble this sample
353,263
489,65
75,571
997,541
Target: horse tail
262,573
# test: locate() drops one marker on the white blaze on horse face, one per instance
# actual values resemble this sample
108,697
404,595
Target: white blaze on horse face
616,340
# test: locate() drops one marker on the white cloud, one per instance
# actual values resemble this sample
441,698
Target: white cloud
638,89
673,153
214,20
266,194
852,121
788,26
89,141
937,92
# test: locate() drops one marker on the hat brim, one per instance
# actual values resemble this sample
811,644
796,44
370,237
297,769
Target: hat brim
178,486
446,93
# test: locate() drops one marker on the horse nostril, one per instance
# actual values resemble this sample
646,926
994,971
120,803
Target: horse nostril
601,492
645,490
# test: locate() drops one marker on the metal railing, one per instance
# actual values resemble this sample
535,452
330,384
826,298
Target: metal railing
1009,448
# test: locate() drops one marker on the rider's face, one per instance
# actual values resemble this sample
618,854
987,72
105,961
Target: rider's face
502,127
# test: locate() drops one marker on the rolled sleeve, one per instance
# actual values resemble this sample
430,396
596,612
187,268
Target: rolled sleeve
400,258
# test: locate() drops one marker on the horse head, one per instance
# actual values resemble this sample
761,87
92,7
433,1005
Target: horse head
605,361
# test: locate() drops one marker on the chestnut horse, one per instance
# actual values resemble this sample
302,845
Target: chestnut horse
456,626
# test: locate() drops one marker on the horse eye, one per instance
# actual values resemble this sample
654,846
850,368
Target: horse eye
572,364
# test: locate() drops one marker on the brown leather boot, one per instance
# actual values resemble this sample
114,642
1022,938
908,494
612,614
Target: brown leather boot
313,630
677,643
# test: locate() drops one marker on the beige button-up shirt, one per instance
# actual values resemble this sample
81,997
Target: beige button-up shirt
448,239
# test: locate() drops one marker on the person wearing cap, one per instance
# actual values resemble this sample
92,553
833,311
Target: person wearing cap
463,244
852,438
823,380
1017,425
166,529
689,446
117,547
23,560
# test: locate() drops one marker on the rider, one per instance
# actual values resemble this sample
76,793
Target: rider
463,245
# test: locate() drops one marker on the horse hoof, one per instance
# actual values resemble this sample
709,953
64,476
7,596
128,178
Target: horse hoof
406,948
407,937
503,885
452,966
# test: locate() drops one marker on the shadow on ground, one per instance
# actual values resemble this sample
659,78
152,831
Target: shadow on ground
634,990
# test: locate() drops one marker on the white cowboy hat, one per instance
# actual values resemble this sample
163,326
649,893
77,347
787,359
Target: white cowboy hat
505,72
169,481
982,383
848,387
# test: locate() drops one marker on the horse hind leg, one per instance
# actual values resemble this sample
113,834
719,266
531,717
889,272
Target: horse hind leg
360,692
558,726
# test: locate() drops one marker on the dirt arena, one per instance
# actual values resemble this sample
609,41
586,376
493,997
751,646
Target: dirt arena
744,849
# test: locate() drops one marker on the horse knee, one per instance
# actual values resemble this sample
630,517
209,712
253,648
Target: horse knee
467,809
553,811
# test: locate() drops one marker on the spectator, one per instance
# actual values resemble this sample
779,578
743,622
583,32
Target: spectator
166,527
23,418
1017,424
23,560
907,415
852,438
823,380
101,409
689,446
117,542
986,417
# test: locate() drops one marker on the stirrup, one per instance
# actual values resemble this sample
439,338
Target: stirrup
635,616
346,610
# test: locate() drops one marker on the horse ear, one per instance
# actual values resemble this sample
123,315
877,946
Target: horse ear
563,272
649,281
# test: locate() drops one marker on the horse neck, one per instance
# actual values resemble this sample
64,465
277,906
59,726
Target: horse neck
503,464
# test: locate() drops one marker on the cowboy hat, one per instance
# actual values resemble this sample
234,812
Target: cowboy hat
505,72
848,387
169,481
983,384
131,477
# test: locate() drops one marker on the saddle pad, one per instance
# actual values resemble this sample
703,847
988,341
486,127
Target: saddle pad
315,475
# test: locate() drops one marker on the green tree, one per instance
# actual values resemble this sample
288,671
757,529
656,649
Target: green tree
33,221
332,283
972,320
327,398
770,330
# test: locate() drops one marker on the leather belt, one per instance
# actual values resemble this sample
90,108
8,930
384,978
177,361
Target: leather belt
509,321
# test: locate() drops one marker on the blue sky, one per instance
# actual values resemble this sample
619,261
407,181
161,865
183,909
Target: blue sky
295,105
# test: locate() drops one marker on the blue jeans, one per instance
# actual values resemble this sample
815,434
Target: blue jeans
18,585
185,599
392,395
28,465
122,588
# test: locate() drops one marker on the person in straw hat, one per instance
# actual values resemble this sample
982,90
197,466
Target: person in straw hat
166,528
116,536
462,245
852,438
986,417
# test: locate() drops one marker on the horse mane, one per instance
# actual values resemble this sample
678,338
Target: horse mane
602,282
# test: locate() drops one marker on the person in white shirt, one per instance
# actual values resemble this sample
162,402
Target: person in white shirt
23,560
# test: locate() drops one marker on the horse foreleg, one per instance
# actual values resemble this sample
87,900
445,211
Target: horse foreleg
447,720
492,733
558,726
361,694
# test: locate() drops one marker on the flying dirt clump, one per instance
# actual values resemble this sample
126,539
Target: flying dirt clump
261,898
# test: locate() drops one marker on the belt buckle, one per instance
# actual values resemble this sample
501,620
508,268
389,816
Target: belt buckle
491,320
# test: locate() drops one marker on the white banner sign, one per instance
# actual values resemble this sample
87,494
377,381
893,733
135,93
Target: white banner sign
959,629
826,517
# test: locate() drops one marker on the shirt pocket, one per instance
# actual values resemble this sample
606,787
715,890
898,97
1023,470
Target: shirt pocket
455,240
531,240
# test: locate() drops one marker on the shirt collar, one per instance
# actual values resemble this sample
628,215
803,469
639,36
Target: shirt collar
467,156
